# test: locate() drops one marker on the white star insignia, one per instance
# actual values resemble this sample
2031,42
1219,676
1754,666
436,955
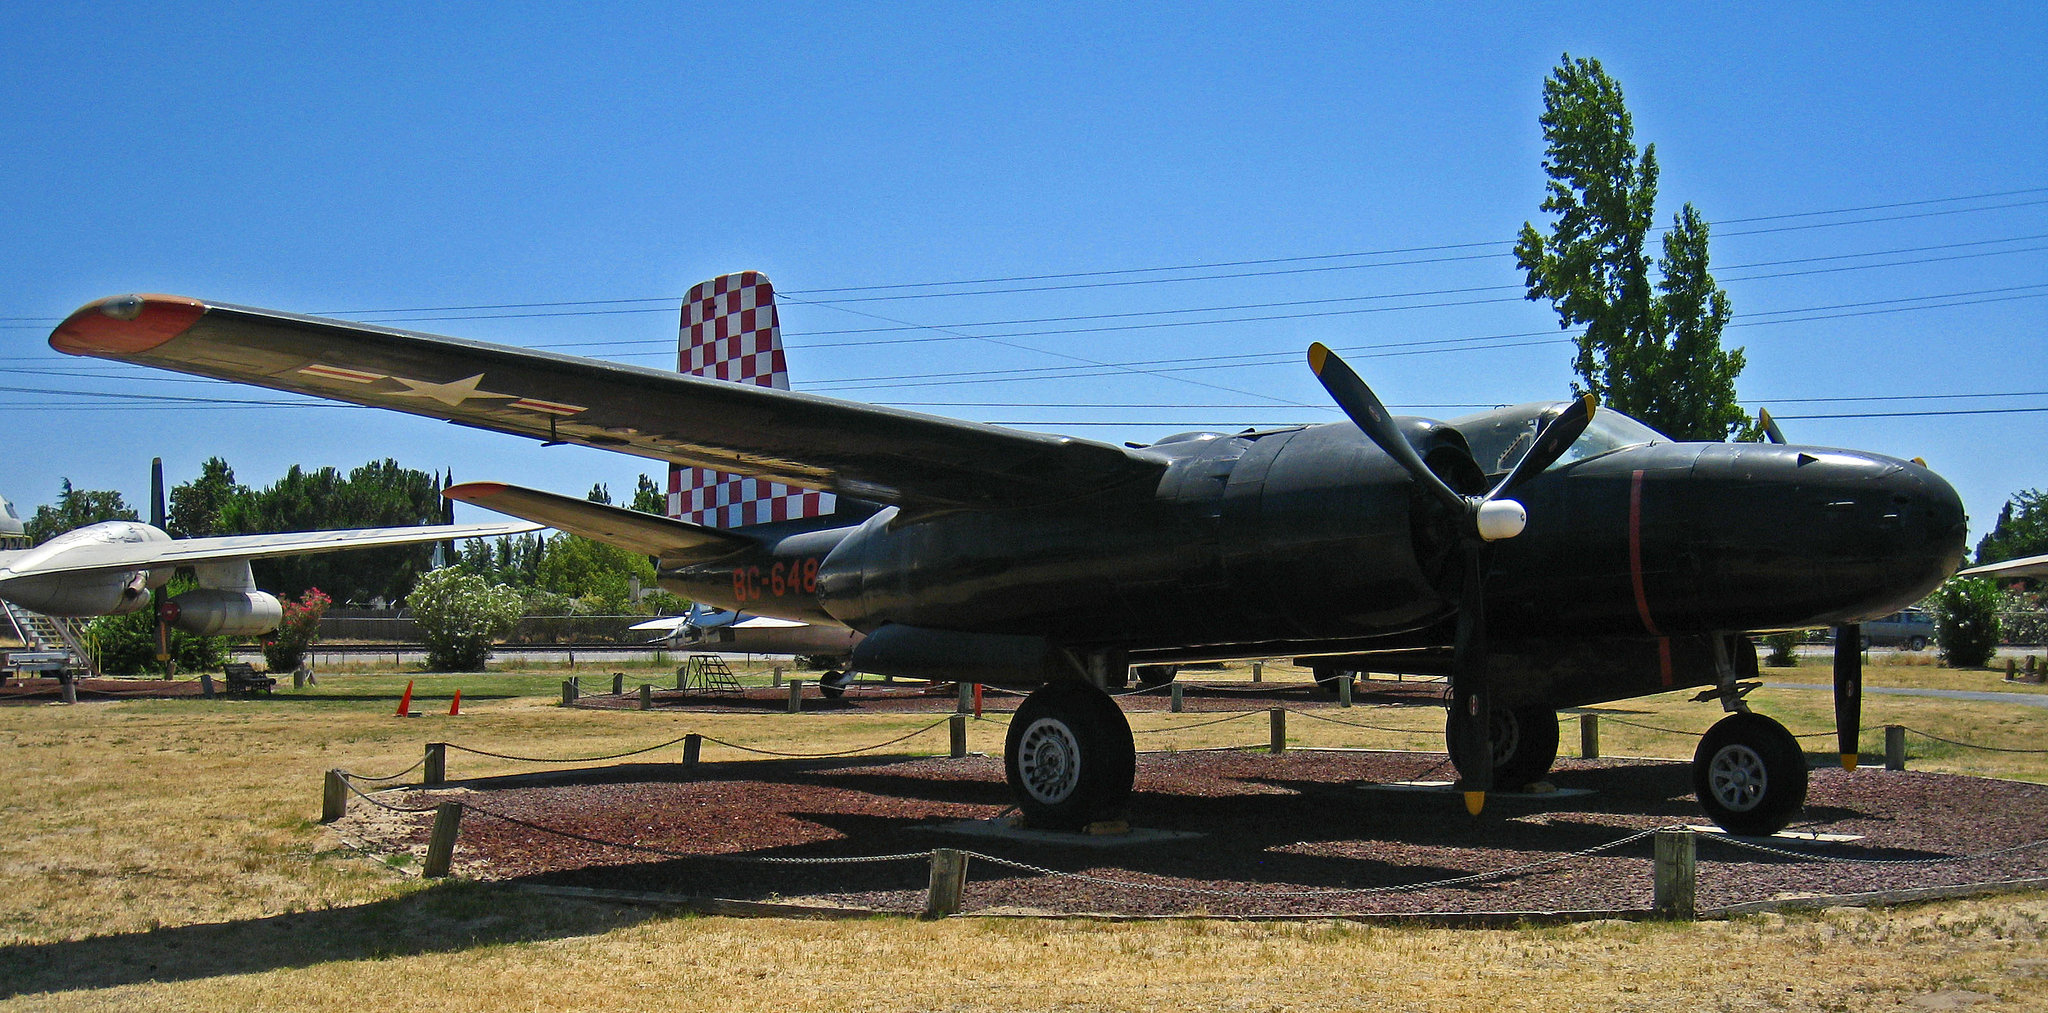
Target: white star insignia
452,393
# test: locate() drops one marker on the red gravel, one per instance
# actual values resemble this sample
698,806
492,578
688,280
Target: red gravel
1279,835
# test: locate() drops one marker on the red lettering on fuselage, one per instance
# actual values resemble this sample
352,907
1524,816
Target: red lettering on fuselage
783,577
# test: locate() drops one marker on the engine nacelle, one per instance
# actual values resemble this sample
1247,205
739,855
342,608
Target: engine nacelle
212,612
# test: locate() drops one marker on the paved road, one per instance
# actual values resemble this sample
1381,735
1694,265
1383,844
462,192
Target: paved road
1984,696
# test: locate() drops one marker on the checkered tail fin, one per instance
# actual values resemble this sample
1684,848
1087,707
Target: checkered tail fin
730,332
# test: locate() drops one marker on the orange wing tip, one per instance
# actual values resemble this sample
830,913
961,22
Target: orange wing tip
471,492
126,324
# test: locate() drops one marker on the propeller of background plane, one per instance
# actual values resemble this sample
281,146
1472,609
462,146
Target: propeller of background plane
1848,654
159,602
1479,520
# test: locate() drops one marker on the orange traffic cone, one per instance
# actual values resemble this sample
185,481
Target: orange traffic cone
405,702
455,707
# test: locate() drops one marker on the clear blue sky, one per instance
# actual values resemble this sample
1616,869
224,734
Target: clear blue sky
341,161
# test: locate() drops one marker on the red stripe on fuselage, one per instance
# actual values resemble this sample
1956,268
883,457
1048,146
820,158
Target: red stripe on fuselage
1635,555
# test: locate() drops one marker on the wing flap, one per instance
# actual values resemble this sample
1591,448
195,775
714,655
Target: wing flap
854,449
645,533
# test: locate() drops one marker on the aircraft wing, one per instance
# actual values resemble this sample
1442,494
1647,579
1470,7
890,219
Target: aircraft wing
858,450
229,548
644,533
2030,566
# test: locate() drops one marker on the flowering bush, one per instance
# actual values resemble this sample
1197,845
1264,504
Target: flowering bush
286,646
1966,621
459,614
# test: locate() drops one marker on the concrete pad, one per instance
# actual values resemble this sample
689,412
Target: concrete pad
1805,836
1451,788
999,828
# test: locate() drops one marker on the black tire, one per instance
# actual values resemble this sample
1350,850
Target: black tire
833,683
1750,775
1524,745
1916,643
1069,757
1329,676
1155,676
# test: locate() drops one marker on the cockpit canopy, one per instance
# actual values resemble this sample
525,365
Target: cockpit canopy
1502,437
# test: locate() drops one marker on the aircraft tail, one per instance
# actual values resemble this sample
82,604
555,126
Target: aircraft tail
730,332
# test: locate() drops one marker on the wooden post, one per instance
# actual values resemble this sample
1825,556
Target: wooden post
206,685
1279,720
647,696
1675,890
682,676
299,678
1258,671
966,705
693,747
1895,747
1176,697
568,692
334,797
1344,690
437,764
778,677
441,846
1589,736
618,684
796,695
958,734
949,880
67,688
2011,669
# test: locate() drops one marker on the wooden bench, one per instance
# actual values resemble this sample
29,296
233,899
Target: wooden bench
244,680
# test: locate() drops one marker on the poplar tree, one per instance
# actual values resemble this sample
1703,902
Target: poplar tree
1650,351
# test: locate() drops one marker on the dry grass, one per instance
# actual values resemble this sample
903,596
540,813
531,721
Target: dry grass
162,855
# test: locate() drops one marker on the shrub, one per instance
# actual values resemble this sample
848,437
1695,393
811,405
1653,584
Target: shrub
285,647
1965,614
459,614
1782,647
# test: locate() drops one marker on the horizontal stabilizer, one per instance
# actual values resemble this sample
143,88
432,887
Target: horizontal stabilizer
649,534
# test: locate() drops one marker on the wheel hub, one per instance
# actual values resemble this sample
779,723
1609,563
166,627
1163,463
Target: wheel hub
1049,761
1738,778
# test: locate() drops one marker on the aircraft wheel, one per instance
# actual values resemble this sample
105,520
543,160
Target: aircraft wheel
1524,744
1069,757
1155,676
833,683
1750,775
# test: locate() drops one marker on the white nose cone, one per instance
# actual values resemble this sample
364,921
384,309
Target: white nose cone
1501,518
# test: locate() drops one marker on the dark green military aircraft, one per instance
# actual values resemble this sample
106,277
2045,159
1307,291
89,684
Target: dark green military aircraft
1541,556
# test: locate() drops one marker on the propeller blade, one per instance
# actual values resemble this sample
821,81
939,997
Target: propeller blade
1469,690
1771,430
159,599
1365,409
1556,438
1848,692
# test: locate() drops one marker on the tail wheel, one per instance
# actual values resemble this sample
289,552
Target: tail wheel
1328,677
1750,775
1524,744
1155,676
1069,757
834,682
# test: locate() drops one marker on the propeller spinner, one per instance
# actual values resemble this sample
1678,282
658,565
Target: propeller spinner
1479,519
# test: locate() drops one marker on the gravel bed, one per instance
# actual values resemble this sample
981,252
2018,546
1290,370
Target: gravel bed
1306,832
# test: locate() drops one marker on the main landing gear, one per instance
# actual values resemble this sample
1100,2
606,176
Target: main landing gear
1524,744
1070,757
1750,774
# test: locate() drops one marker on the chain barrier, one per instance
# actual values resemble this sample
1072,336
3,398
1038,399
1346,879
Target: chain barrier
836,752
379,803
1200,724
1852,860
1356,724
1972,745
388,777
563,759
1477,877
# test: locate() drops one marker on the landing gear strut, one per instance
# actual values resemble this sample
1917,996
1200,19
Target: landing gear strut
1750,774
1524,744
1070,758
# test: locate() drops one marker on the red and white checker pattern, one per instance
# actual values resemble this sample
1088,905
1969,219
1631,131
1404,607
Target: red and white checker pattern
730,332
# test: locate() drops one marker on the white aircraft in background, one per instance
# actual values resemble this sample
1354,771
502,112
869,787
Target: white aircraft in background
110,568
728,632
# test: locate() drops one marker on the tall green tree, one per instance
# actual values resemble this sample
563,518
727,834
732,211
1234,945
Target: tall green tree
196,507
648,498
2022,529
378,494
76,508
1651,351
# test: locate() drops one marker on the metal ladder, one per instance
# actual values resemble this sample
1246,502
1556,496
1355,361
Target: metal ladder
708,673
51,633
